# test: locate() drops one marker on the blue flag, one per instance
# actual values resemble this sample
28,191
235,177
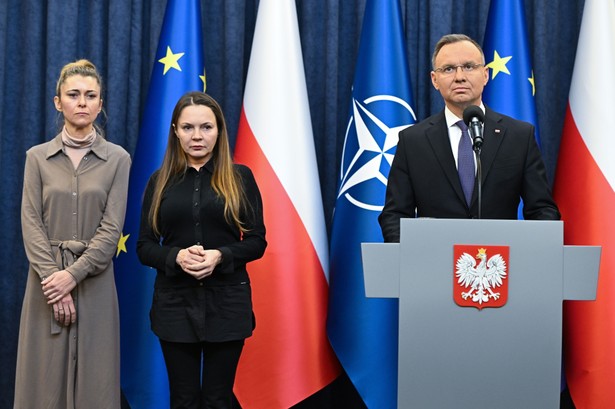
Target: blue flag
178,68
511,85
362,331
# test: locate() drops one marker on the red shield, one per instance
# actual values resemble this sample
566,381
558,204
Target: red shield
480,275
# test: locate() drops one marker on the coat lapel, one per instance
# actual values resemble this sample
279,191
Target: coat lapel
437,135
493,135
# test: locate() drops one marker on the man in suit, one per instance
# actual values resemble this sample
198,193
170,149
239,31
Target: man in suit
424,179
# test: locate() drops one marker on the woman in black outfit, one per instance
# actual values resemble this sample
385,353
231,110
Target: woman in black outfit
201,222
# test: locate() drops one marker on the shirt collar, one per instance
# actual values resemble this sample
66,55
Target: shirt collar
452,119
208,166
99,147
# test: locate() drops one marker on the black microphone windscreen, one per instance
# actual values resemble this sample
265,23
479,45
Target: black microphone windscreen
473,111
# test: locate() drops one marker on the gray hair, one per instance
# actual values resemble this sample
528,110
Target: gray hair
451,39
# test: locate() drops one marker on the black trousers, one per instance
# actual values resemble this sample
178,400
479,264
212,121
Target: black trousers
201,375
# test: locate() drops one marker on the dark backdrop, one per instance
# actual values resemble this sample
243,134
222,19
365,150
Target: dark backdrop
37,37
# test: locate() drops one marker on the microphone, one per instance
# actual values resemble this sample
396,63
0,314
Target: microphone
474,117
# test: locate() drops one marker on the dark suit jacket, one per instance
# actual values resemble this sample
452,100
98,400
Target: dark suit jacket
423,181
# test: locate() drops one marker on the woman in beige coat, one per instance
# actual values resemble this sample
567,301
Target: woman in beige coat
73,204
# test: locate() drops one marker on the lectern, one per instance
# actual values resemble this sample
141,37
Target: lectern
481,333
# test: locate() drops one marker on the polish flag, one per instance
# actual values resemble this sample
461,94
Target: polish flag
289,356
584,191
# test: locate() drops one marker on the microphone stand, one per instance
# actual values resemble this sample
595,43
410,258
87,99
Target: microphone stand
474,118
479,177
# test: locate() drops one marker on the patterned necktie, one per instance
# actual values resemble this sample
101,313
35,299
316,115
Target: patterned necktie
465,162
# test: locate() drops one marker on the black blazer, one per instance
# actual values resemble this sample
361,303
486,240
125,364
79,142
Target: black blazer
423,180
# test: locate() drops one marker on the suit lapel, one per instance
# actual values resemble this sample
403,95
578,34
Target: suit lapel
493,135
437,135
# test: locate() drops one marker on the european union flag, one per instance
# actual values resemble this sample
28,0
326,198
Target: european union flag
511,85
178,68
362,331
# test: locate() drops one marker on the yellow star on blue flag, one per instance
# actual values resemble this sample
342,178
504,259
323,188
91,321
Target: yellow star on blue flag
204,79
531,80
171,60
121,244
498,64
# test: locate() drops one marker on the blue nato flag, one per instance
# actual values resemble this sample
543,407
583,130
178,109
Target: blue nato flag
178,68
511,85
363,331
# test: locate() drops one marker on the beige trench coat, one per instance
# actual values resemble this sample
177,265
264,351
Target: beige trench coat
76,366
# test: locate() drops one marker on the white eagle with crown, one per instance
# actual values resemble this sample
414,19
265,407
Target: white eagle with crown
481,279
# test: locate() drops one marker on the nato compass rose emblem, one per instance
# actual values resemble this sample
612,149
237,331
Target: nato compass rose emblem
371,138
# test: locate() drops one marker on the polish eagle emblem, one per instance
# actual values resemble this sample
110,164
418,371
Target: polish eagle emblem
479,280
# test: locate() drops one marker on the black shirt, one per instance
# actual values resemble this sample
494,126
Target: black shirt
219,307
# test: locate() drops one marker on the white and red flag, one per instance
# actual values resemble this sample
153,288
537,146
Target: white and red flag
584,191
289,356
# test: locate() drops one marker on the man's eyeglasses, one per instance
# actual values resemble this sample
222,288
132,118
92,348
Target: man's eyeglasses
451,69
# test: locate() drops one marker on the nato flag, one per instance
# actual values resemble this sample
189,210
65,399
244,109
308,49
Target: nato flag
362,331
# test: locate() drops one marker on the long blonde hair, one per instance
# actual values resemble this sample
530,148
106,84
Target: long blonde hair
226,182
